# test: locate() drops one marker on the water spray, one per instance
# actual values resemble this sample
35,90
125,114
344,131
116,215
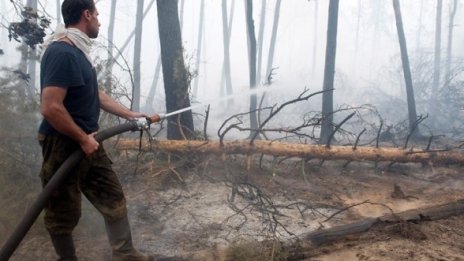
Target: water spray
213,101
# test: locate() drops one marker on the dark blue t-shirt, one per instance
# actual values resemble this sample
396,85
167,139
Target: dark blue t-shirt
66,66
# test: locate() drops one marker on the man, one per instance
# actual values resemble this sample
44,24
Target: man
70,105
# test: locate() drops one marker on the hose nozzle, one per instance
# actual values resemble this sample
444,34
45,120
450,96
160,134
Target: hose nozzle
144,123
155,118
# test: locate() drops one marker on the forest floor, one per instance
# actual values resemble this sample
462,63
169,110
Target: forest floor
218,210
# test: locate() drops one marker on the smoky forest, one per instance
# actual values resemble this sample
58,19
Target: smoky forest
288,130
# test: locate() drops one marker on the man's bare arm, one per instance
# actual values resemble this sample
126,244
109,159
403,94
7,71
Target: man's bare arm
108,104
53,110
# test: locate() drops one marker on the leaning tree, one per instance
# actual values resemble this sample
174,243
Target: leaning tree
413,128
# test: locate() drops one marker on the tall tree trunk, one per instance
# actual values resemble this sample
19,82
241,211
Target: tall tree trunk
58,11
109,64
358,24
252,66
377,7
3,33
181,15
25,92
314,58
419,31
262,22
137,54
329,72
151,94
275,26
358,28
199,45
205,72
226,31
174,71
149,102
32,71
449,48
31,62
433,106
131,35
406,70
227,88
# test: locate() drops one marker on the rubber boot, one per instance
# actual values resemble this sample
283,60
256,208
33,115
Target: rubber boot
119,235
64,247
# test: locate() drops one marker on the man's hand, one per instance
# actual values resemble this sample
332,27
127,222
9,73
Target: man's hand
54,111
89,144
154,118
132,115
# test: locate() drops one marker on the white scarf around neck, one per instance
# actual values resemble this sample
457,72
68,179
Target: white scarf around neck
76,36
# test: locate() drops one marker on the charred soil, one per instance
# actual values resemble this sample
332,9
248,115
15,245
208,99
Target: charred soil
252,208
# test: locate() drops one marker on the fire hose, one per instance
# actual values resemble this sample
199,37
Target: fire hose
34,211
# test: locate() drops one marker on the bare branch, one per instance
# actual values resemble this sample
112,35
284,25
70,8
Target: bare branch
302,97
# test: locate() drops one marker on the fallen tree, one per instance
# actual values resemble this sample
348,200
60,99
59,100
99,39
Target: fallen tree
307,151
403,224
305,129
414,215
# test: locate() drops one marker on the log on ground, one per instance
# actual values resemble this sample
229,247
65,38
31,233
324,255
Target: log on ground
415,215
310,151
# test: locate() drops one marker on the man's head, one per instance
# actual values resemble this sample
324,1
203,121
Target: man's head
82,14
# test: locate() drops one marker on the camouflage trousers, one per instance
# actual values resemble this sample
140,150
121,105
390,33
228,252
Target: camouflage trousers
93,177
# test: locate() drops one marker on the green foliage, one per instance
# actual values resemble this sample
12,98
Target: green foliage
31,29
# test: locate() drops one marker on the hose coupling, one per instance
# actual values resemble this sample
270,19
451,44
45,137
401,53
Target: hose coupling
142,123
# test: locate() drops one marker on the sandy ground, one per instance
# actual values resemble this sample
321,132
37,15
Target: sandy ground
196,211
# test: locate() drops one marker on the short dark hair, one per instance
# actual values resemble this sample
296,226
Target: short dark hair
72,10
